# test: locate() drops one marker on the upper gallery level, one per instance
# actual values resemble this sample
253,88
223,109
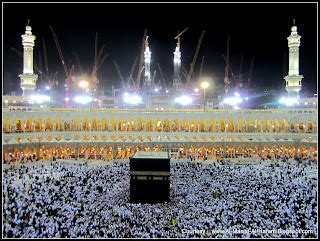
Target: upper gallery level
175,120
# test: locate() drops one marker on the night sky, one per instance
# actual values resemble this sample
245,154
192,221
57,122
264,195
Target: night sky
255,30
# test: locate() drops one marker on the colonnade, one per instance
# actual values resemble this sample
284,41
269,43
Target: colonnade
196,151
12,125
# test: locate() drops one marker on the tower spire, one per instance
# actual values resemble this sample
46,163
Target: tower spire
28,78
147,60
293,79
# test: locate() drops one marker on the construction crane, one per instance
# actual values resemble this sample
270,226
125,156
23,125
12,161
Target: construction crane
162,76
153,76
130,79
79,64
40,65
184,71
97,62
45,57
100,62
123,84
226,70
284,67
99,56
68,71
239,79
52,77
178,36
201,68
194,59
144,39
230,69
250,76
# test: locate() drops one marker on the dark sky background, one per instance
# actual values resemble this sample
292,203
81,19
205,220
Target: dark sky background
255,30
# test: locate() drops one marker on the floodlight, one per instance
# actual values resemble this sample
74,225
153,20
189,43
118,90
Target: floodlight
183,100
83,84
39,99
288,101
132,99
233,101
204,84
83,99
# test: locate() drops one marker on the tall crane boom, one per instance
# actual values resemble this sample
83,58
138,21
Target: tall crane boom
239,79
178,36
119,73
45,56
68,73
153,76
40,64
161,73
99,55
95,55
250,74
130,79
78,61
184,71
226,70
201,68
59,51
229,69
194,58
101,62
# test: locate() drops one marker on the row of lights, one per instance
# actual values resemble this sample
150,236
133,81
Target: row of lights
134,99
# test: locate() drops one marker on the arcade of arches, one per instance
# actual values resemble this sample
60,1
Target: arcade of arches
23,133
198,152
232,125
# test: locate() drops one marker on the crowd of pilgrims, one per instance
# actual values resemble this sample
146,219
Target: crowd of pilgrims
61,199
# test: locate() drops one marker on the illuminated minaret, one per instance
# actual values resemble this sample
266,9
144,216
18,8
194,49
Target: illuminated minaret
28,78
293,79
177,66
147,60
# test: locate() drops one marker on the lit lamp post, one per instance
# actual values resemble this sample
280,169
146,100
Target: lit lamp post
83,84
204,86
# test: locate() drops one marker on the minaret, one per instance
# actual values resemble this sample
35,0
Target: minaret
28,78
147,60
177,66
293,79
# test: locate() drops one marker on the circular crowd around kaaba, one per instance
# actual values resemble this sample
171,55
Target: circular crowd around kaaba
64,199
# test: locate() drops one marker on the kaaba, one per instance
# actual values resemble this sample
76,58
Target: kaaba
150,177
